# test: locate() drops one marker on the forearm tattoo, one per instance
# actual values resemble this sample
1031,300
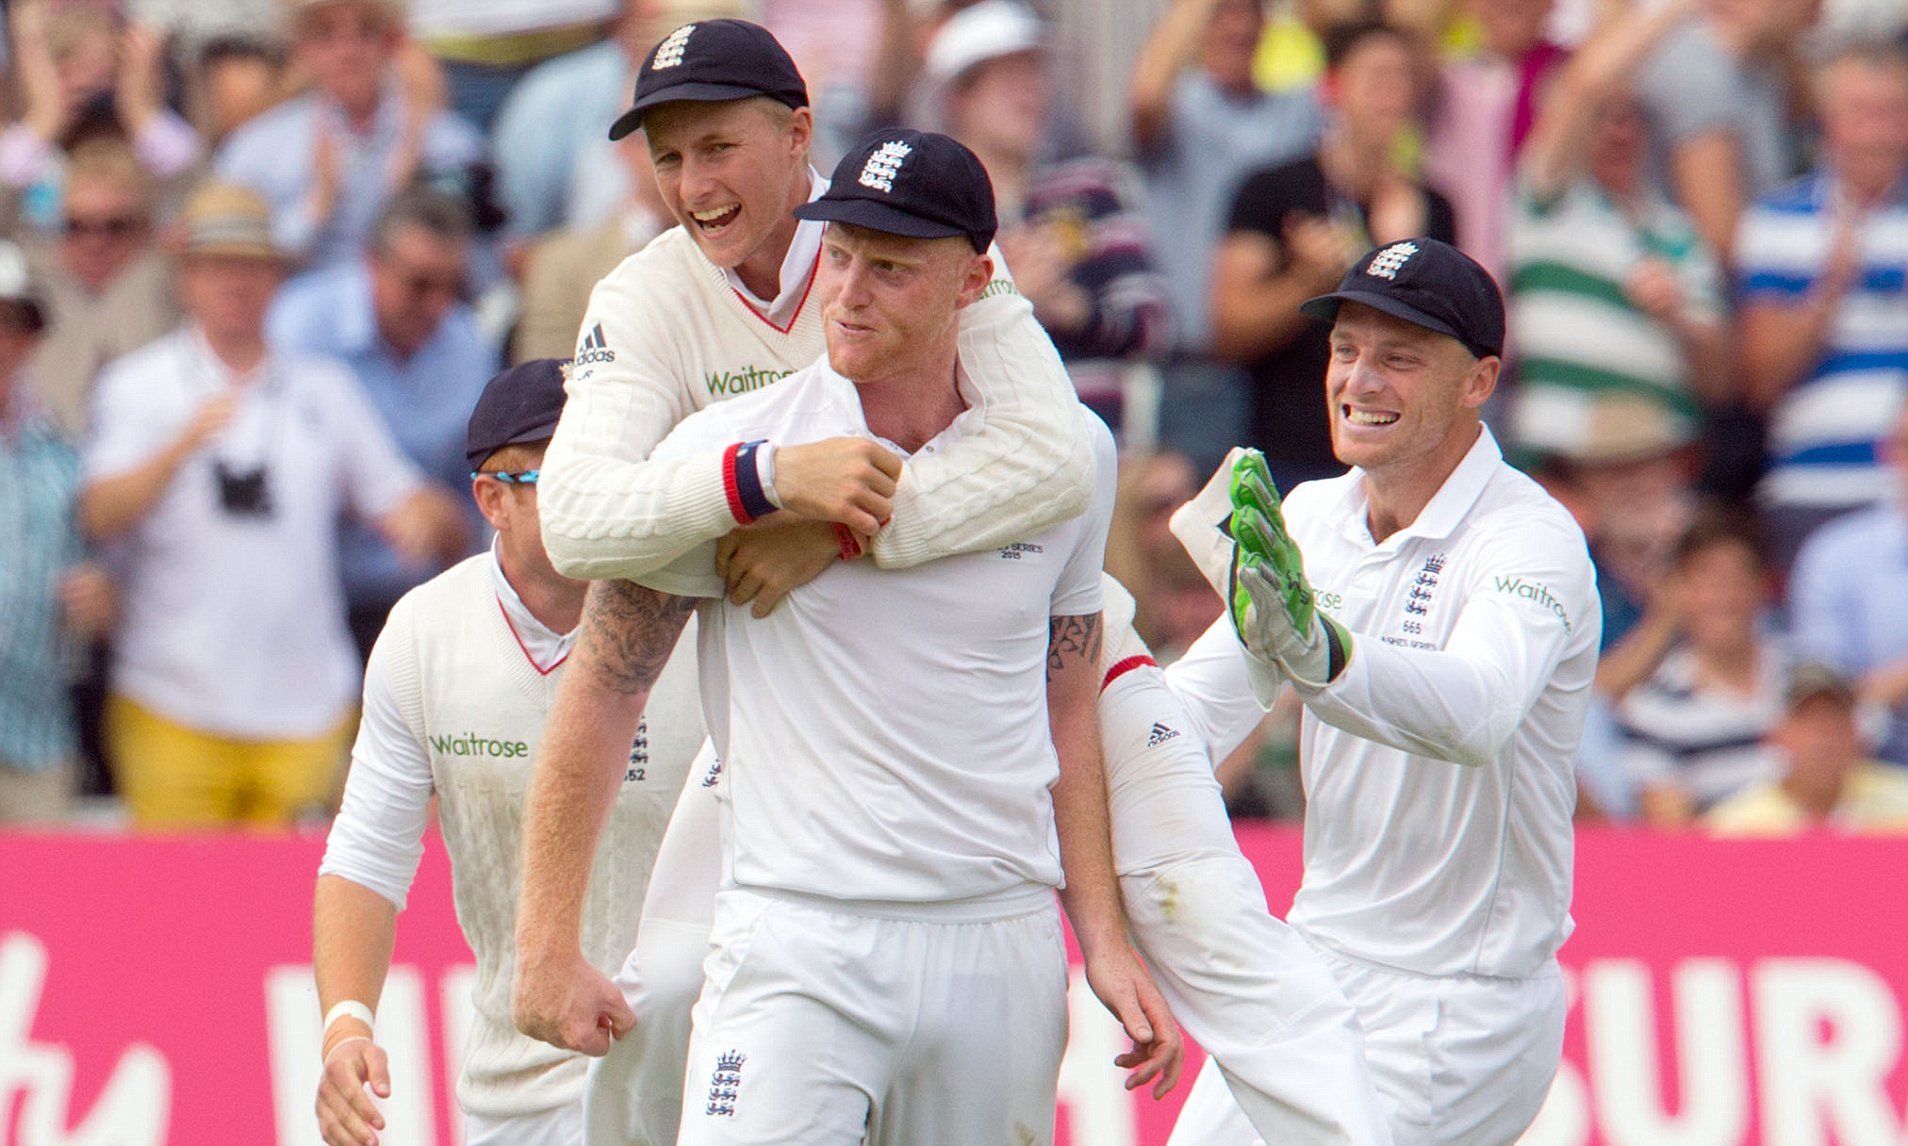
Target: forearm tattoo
629,632
1070,639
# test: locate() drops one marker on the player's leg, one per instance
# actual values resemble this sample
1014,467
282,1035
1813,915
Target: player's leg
1494,1051
1245,986
984,1060
801,1015
634,1094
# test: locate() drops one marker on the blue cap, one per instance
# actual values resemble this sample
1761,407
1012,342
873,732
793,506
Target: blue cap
921,184
711,61
1427,283
520,405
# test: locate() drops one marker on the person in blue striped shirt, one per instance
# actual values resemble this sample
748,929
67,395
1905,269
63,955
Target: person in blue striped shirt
1823,262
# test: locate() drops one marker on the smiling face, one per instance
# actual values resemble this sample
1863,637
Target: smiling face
889,302
1402,397
731,172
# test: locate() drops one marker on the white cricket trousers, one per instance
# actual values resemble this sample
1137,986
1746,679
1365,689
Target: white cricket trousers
1242,983
822,1026
1459,1060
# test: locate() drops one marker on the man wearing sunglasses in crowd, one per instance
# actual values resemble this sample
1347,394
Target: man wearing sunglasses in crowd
397,318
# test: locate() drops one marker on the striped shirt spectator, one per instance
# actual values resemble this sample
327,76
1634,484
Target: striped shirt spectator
1824,342
1580,332
1824,431
1704,741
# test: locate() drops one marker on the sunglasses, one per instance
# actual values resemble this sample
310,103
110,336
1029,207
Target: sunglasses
109,227
525,477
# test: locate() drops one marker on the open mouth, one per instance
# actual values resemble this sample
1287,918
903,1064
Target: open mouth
1358,417
714,221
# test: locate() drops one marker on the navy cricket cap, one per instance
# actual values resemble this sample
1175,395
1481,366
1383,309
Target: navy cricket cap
1427,283
921,184
520,405
711,61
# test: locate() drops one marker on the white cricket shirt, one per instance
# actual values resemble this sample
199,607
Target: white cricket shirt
884,732
1438,768
234,625
455,699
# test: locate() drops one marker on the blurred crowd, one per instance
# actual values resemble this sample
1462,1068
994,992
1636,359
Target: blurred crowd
261,255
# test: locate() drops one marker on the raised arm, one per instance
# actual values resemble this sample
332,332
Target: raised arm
628,634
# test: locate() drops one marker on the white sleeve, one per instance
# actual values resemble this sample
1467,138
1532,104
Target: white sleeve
375,473
600,497
126,426
681,560
1212,683
1530,599
378,837
1030,467
1079,590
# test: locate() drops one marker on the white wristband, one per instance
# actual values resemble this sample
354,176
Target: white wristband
352,1008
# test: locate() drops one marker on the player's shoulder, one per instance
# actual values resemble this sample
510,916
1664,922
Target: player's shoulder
655,271
463,582
1512,500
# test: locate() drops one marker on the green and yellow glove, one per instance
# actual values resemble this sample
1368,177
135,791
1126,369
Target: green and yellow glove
1270,602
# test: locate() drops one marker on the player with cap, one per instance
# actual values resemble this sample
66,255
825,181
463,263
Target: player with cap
455,698
1244,984
1436,612
907,754
722,306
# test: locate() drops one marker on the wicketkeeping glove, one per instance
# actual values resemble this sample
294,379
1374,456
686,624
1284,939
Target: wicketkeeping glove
1271,603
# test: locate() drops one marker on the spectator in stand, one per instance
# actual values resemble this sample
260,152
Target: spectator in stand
563,268
1824,331
1485,109
1173,605
1199,125
1612,291
106,286
224,467
1297,227
373,121
486,46
553,164
51,599
1827,779
1693,731
397,319
1717,99
1848,598
238,79
1627,481
1070,230
81,75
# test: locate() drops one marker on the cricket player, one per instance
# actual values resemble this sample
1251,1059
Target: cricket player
454,703
898,746
1436,612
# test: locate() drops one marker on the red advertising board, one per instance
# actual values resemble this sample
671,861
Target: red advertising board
159,991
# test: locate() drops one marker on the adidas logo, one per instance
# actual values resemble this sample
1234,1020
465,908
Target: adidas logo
1160,735
593,349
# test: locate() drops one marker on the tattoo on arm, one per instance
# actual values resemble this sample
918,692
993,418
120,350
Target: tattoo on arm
629,632
1070,639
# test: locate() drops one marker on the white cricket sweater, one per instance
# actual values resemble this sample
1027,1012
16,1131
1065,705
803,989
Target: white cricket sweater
472,705
666,334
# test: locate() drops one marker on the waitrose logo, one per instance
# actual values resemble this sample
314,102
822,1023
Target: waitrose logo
471,744
729,383
1539,594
